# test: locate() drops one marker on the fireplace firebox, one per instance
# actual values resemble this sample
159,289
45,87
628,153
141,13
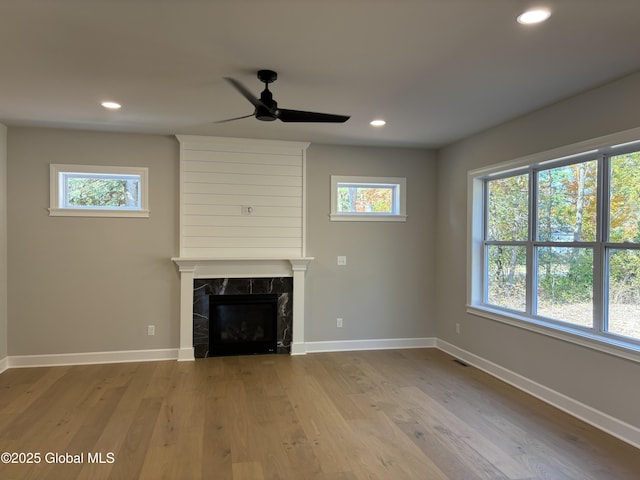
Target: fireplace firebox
242,324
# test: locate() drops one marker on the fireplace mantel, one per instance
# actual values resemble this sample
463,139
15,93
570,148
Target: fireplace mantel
192,268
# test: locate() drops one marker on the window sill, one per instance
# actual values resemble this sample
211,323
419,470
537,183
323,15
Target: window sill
348,217
618,348
91,212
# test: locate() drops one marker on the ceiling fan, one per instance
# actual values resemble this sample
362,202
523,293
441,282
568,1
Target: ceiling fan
266,108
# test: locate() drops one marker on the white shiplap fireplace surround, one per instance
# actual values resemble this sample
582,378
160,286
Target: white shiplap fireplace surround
242,215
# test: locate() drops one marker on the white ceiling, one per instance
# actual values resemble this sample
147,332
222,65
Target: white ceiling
436,70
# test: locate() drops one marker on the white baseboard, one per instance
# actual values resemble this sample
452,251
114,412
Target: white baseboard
4,364
373,344
622,430
186,355
298,348
88,358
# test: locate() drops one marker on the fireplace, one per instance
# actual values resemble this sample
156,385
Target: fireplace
242,324
215,296
201,277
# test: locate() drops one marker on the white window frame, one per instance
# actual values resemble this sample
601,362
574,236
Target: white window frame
476,201
399,185
57,205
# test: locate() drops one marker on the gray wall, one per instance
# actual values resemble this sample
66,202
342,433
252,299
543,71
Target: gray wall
94,284
3,242
80,284
599,380
386,290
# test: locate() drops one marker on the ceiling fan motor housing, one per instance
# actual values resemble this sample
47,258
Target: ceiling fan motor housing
270,113
265,115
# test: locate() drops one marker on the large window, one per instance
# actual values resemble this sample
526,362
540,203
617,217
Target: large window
556,244
88,190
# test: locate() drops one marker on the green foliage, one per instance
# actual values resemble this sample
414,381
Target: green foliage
365,199
624,205
624,200
507,276
508,220
100,192
508,208
624,277
565,275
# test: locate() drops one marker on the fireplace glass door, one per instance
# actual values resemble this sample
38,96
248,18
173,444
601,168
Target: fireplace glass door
242,324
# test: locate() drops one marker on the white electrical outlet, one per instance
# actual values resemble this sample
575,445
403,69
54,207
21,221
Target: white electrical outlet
151,330
342,260
338,323
457,328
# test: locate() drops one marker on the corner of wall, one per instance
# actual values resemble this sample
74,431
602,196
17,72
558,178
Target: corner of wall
4,344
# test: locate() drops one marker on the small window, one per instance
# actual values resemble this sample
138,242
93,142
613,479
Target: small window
368,199
92,191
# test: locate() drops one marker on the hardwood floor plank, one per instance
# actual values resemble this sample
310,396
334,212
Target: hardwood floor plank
28,388
444,420
271,452
247,471
50,410
115,431
159,379
320,424
501,411
216,442
130,457
395,454
334,385
452,466
87,435
176,441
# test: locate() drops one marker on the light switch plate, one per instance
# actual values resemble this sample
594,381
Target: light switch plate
342,260
247,210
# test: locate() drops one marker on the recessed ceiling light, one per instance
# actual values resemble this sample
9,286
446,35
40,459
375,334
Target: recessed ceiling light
111,105
534,16
378,123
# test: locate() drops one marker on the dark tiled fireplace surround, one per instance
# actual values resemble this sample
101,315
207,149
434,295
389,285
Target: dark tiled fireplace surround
202,288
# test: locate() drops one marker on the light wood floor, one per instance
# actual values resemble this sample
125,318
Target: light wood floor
406,414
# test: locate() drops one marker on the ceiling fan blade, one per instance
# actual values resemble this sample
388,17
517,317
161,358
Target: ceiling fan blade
234,118
245,92
286,115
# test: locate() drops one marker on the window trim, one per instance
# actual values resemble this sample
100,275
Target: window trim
400,185
608,343
56,194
